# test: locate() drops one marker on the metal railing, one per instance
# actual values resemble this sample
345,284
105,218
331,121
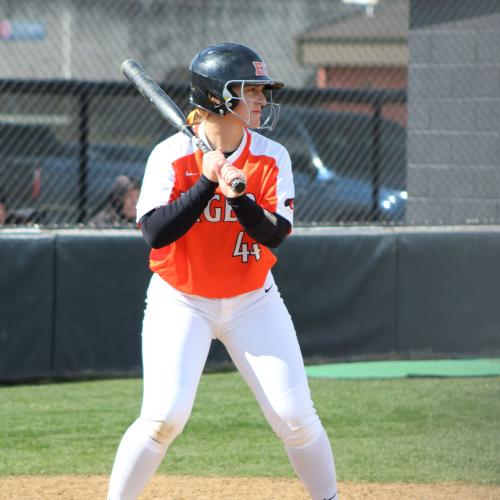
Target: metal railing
93,110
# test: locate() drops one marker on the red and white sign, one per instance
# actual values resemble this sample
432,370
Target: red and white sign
21,30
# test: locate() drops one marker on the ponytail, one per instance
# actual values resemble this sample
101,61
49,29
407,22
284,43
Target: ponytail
196,116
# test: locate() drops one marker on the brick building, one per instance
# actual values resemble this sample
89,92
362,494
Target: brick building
361,50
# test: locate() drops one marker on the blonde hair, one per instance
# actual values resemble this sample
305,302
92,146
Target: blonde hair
196,116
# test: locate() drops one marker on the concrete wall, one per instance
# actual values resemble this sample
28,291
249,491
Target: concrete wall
454,112
89,39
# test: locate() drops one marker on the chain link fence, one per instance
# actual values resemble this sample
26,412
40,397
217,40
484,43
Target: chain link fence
70,125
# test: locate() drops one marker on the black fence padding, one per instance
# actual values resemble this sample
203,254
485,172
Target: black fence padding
26,306
449,292
101,282
339,287
72,301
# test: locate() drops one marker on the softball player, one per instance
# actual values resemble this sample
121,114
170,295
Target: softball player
212,276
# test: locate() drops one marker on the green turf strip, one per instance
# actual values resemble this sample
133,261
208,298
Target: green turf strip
399,369
394,430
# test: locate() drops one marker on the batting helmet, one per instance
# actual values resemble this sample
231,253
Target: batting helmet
215,69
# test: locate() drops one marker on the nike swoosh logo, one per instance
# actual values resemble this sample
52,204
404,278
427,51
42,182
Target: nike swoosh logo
267,289
191,173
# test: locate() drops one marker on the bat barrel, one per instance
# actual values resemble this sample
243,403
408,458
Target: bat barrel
143,82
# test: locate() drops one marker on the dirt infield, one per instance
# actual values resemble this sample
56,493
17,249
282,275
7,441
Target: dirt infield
223,488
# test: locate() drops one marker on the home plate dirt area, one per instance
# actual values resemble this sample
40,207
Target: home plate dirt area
230,488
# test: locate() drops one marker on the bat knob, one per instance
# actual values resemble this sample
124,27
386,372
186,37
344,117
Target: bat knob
238,185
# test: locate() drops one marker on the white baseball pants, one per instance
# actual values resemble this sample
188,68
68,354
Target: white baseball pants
258,333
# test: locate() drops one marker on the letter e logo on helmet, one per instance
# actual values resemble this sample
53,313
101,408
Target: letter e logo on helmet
260,68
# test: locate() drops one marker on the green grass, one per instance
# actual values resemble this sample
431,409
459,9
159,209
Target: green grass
410,430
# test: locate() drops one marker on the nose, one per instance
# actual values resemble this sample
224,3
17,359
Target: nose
262,98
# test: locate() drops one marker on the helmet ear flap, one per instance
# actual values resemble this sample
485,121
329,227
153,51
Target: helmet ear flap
206,93
215,102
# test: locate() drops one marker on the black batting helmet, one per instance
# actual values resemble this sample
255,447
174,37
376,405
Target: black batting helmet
215,68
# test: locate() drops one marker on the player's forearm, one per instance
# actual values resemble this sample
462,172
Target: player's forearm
265,227
168,223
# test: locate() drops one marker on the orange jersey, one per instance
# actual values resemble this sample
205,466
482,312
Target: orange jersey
216,258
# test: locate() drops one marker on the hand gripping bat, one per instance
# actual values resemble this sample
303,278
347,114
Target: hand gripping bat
167,108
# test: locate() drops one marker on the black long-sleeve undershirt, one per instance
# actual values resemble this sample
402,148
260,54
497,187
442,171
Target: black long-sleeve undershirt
267,228
167,223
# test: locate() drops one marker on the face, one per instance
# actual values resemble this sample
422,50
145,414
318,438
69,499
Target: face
3,213
249,109
130,203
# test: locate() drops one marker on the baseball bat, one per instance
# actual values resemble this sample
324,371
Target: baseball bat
167,108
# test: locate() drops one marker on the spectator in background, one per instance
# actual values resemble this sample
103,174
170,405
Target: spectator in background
120,207
19,217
